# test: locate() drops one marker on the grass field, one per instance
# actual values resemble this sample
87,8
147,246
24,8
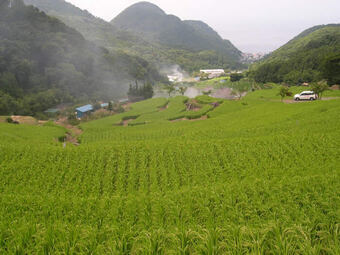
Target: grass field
257,177
213,83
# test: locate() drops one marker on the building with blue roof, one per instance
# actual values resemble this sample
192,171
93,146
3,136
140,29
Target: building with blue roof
82,111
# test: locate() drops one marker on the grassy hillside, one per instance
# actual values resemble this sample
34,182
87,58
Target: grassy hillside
159,53
257,177
303,58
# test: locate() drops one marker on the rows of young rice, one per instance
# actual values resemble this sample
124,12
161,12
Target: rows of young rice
247,180
231,119
174,107
222,196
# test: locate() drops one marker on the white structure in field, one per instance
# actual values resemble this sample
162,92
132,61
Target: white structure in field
213,73
174,78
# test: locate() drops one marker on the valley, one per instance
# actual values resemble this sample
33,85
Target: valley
152,134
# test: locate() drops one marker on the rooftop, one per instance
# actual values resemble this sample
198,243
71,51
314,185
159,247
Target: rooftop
85,108
52,110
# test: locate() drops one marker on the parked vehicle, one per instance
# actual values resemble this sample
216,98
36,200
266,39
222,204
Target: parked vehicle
306,95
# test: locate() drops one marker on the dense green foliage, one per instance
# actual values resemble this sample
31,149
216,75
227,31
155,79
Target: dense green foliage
236,77
311,56
138,93
44,63
331,69
257,177
285,92
191,44
150,21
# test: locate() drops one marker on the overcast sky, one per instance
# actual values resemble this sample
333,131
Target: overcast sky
252,25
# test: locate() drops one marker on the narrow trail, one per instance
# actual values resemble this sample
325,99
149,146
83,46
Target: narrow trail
164,108
292,101
73,132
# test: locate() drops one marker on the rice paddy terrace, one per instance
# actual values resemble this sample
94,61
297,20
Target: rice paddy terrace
255,176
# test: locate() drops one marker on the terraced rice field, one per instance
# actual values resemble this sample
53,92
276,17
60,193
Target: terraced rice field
256,177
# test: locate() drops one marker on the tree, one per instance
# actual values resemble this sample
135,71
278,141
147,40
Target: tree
204,76
137,93
97,106
147,91
240,88
330,69
110,107
284,92
182,90
294,78
170,89
207,93
236,77
319,88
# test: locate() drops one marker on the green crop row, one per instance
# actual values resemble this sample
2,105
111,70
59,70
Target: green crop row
256,177
175,106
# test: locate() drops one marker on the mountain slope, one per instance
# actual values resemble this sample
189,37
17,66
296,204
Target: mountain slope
302,59
149,20
114,38
92,28
43,62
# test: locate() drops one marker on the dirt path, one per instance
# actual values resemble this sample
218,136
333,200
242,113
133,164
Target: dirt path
292,101
164,108
125,123
24,120
73,132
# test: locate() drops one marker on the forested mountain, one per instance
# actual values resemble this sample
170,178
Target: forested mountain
43,62
114,38
313,55
92,28
148,20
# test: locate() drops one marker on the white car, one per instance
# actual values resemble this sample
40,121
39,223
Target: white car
306,95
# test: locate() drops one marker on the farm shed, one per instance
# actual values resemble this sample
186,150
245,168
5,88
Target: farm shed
82,111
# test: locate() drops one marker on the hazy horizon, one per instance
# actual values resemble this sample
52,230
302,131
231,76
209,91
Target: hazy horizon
252,26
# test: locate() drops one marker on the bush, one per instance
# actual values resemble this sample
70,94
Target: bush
41,116
9,120
131,117
62,138
72,120
236,77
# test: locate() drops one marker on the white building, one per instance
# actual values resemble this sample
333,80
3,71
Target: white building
213,73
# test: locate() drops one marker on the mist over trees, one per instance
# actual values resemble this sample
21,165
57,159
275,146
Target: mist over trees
43,63
191,44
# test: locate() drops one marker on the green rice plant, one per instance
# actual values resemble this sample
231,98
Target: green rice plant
261,178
